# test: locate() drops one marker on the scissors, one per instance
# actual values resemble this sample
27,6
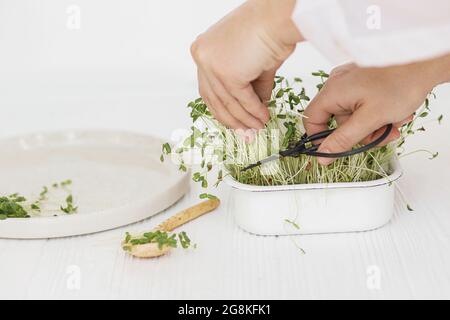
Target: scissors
302,148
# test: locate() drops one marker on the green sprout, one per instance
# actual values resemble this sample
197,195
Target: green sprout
161,238
17,206
223,152
69,208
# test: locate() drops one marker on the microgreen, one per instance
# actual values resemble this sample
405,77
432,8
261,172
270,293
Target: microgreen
43,194
17,206
212,147
184,240
207,196
69,208
161,238
434,155
66,183
11,207
295,225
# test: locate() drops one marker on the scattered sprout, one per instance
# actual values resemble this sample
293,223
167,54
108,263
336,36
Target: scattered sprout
69,208
295,225
17,206
184,240
66,183
11,207
207,196
162,238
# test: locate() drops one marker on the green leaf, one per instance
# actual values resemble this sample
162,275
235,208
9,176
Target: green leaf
434,155
66,183
207,196
279,94
196,177
272,104
166,149
184,240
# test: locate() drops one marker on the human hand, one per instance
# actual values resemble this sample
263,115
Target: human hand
365,100
237,59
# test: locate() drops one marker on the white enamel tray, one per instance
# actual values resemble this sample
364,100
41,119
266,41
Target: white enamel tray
117,177
314,208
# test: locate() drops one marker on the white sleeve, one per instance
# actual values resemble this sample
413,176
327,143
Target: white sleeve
376,32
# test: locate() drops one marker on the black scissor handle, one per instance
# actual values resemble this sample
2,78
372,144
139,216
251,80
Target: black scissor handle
312,151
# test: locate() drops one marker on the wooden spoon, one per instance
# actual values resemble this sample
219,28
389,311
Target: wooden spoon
152,250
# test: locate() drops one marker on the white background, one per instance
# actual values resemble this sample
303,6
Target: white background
129,67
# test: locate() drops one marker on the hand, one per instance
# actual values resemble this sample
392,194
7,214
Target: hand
364,100
237,59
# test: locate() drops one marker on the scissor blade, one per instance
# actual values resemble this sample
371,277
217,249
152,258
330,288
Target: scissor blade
271,158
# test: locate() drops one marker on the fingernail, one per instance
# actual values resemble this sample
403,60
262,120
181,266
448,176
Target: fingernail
247,135
325,161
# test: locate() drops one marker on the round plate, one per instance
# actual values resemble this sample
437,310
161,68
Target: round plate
117,179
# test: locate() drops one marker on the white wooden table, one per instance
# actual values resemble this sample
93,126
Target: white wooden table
409,258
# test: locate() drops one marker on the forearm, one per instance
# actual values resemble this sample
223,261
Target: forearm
429,73
440,67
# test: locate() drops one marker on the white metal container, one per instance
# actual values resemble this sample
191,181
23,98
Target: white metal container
314,208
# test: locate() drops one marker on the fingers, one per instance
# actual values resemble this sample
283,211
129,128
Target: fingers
237,106
234,107
318,113
393,135
250,101
404,121
215,105
359,126
264,84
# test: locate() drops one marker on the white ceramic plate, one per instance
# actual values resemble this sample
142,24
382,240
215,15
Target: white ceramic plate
117,177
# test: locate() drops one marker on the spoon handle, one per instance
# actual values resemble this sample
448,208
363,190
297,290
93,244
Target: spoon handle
188,214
